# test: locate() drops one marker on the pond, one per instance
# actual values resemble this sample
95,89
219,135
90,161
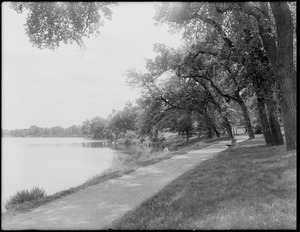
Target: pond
53,164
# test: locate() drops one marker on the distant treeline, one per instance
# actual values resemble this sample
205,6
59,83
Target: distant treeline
35,131
119,124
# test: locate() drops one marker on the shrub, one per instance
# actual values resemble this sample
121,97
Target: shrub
128,141
25,195
140,153
143,152
131,134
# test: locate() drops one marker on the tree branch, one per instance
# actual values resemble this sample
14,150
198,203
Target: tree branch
213,53
226,96
217,27
169,103
265,30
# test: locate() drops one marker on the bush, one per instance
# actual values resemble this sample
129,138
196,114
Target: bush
128,141
141,153
131,134
25,195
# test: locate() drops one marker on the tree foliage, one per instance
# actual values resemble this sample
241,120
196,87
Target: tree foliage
236,64
35,131
232,22
48,24
125,120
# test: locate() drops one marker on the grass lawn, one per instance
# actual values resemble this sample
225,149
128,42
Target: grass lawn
250,186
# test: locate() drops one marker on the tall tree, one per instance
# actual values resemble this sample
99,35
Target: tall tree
285,70
278,42
98,129
196,18
262,77
85,128
202,18
125,120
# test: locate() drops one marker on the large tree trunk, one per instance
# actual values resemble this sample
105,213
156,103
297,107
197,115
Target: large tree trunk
288,109
281,59
264,86
260,85
273,119
268,136
286,72
270,125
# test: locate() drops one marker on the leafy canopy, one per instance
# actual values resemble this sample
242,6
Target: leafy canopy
49,24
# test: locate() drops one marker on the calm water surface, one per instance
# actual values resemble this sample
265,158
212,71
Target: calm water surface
54,164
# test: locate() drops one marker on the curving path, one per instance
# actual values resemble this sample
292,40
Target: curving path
95,207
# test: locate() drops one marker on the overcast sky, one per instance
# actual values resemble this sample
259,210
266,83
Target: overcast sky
66,87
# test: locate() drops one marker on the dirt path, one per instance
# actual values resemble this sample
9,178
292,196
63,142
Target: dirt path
95,207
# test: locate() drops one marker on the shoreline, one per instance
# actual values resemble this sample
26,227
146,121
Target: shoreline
111,174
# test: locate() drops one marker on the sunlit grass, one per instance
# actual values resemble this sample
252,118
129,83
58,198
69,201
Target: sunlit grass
247,187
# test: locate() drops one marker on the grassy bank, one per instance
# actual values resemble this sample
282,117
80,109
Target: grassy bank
132,162
248,187
178,146
29,205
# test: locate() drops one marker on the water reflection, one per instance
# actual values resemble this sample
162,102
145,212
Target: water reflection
93,144
66,142
125,148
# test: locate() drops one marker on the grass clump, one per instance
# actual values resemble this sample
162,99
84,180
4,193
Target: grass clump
25,196
26,206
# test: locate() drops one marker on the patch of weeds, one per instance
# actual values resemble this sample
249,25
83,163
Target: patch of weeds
25,196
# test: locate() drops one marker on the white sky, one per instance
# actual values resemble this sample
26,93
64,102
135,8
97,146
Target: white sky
66,87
